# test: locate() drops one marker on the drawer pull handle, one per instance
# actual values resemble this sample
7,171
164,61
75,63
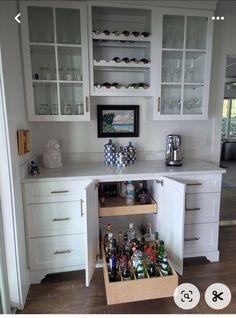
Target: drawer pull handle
81,207
194,184
193,209
62,219
158,104
62,252
61,191
192,239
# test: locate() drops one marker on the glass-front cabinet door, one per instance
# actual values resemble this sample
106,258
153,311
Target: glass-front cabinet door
186,47
55,53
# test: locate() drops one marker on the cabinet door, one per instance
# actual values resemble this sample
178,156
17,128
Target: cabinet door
90,205
55,54
185,48
171,212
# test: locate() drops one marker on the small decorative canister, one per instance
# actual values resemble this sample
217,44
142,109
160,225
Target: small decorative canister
131,152
109,153
121,158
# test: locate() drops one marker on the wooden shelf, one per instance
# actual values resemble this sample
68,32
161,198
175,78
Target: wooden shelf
115,206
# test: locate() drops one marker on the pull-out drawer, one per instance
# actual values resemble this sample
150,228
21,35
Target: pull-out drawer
202,183
202,207
201,237
138,289
55,218
53,191
56,251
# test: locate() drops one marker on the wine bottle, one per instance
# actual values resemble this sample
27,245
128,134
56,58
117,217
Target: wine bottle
116,59
126,59
135,33
134,60
125,33
116,33
145,34
145,61
97,32
106,32
116,85
106,84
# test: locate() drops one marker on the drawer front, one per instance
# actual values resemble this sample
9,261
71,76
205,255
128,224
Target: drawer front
56,191
202,207
202,183
55,218
56,251
201,237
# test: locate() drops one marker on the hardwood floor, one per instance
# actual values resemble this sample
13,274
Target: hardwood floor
66,294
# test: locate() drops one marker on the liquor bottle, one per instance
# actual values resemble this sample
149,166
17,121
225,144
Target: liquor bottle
106,32
157,243
145,61
165,267
116,59
106,239
108,248
142,243
125,33
126,59
145,34
152,268
122,253
113,271
140,189
125,272
140,273
161,254
130,194
149,237
135,33
131,233
137,254
106,84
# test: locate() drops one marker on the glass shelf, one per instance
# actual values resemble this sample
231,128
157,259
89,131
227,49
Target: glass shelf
45,99
41,24
171,99
68,26
173,31
70,64
43,62
71,96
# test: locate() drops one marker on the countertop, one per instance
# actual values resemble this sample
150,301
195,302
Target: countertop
148,170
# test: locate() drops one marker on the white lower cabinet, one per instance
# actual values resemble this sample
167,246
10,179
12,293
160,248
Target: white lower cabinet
63,220
61,227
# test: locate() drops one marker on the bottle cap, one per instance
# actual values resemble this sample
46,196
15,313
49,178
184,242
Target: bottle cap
110,235
161,242
108,226
131,226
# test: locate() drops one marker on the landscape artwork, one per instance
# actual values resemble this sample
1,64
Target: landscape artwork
117,121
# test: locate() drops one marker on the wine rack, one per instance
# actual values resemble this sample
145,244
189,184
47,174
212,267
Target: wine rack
115,33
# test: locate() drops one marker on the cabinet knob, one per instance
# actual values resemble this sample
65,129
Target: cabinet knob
158,104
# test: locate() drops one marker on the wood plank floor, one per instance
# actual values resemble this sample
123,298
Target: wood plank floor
66,294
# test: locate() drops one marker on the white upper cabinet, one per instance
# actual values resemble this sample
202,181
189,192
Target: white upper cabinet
55,56
120,50
183,63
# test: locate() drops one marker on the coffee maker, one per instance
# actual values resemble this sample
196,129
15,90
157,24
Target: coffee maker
173,150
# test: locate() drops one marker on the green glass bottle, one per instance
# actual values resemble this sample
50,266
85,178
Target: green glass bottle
161,253
165,267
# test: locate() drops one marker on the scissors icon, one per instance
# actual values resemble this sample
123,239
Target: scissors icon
217,296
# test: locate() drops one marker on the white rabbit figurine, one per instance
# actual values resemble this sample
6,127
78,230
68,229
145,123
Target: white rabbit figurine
52,155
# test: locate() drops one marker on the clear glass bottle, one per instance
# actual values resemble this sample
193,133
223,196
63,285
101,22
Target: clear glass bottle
149,237
130,193
140,273
106,236
165,267
131,233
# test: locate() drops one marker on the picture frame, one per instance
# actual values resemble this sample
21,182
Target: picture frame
118,120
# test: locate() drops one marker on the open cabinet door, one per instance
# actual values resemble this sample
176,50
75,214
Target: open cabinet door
91,234
171,213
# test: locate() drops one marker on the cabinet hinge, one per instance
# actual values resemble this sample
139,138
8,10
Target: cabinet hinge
161,182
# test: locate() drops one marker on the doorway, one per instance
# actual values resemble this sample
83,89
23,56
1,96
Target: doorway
228,145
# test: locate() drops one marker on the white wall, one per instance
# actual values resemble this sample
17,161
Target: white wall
12,77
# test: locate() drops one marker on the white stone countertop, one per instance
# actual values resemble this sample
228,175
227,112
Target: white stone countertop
141,170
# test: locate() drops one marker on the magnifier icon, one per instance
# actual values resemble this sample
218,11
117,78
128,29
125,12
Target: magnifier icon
186,296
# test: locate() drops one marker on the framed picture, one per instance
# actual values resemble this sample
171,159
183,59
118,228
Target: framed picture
118,120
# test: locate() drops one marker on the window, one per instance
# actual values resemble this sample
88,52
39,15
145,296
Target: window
228,127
